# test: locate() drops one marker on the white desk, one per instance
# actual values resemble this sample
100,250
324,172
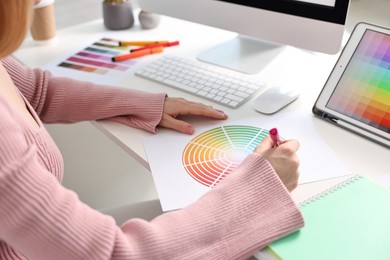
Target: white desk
294,68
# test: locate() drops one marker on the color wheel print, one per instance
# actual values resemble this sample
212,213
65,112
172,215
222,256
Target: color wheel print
215,153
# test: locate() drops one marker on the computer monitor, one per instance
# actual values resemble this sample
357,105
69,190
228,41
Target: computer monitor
263,26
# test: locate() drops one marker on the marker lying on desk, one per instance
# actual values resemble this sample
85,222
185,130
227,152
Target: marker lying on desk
168,44
273,133
137,54
140,43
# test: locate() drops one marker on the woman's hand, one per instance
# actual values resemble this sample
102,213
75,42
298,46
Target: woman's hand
175,107
283,159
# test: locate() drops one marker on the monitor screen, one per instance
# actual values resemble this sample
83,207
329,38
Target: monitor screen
316,25
326,10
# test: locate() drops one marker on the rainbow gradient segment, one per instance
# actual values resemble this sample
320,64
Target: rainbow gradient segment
215,153
363,92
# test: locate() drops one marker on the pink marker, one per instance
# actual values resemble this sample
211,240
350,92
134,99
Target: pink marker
273,133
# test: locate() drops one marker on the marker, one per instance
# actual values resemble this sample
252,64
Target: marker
140,43
273,133
168,44
137,54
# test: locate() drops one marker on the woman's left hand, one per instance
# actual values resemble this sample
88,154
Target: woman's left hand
175,107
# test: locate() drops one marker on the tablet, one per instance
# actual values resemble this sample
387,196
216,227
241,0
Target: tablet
356,95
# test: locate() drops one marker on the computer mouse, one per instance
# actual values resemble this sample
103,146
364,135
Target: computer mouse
274,99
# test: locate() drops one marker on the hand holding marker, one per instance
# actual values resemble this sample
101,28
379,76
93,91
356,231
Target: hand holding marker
273,133
148,47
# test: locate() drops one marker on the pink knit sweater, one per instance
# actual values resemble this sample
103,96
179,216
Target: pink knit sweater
40,219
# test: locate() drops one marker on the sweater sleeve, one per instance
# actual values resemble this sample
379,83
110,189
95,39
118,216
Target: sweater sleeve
43,220
248,210
65,100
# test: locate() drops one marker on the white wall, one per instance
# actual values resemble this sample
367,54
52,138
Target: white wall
98,170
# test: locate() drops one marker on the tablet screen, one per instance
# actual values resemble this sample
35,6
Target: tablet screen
363,91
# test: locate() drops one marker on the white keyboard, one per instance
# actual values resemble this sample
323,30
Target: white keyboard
223,86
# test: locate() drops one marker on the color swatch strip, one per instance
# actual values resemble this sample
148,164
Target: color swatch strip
97,63
82,68
96,58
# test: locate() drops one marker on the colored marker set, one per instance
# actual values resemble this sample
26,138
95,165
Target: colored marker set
107,59
145,48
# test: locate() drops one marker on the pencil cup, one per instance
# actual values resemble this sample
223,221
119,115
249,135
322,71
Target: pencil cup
117,14
43,26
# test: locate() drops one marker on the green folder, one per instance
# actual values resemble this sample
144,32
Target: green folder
348,221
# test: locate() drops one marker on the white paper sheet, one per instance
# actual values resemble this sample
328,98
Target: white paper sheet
384,180
177,188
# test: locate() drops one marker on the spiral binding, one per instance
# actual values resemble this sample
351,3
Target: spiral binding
330,190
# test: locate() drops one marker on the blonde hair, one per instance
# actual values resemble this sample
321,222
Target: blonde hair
15,18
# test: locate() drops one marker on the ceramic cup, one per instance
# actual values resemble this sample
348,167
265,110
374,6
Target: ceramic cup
117,16
148,20
43,26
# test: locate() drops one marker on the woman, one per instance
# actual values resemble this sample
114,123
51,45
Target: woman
40,219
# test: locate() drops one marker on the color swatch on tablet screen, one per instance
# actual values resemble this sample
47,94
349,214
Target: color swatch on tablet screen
363,92
215,153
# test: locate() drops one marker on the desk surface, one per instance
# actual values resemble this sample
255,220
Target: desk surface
293,68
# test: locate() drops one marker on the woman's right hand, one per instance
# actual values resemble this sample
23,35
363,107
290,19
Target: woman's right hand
283,159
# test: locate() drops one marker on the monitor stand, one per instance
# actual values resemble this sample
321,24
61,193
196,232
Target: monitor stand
243,54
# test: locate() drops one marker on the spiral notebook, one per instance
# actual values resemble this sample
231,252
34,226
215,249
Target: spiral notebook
349,221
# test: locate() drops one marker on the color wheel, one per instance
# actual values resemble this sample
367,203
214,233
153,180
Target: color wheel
215,153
